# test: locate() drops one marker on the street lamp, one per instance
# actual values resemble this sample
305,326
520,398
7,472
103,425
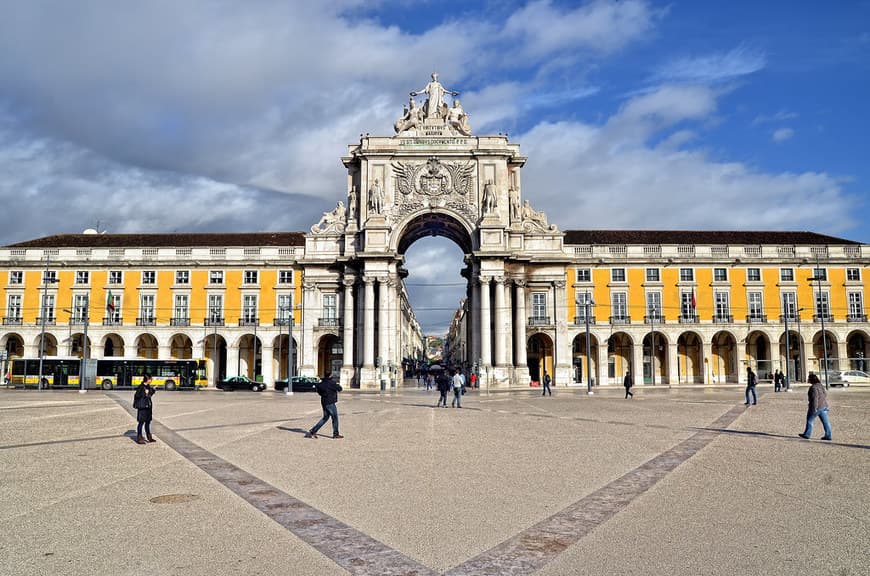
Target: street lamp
818,279
800,373
587,302
288,311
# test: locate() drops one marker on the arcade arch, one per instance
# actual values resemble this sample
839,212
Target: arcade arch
579,359
690,358
723,359
655,358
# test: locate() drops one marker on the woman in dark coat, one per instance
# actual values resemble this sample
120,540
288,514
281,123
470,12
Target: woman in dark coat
142,403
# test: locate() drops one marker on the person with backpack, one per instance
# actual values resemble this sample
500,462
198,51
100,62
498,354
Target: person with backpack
144,407
443,384
328,390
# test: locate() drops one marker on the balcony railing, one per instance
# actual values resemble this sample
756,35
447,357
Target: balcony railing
581,321
77,321
756,319
111,321
820,317
790,317
282,321
49,321
539,321
688,318
249,322
620,319
654,319
179,321
145,321
856,318
328,322
214,321
723,318
12,321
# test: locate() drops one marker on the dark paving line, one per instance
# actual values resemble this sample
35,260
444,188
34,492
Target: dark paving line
531,549
354,551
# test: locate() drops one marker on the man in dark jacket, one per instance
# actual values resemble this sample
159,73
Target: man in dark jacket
818,406
751,382
628,383
328,390
443,384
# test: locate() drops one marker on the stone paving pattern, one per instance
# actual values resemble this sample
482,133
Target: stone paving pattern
675,481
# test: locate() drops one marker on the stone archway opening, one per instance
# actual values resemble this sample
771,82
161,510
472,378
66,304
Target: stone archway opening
181,347
540,356
655,359
580,362
620,352
282,347
857,343
723,359
758,354
330,352
690,358
146,346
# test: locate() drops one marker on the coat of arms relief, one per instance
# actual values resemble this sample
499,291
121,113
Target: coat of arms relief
434,184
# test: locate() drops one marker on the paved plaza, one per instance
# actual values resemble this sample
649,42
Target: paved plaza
675,481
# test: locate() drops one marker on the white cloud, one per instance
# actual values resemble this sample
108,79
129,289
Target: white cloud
782,134
712,68
780,116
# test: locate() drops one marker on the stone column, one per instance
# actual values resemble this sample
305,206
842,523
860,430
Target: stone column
311,312
636,362
520,324
707,358
347,360
500,321
369,323
741,362
562,342
383,320
485,339
268,378
603,367
232,360
474,321
673,368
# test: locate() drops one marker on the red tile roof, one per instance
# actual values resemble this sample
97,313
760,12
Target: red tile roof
227,240
720,237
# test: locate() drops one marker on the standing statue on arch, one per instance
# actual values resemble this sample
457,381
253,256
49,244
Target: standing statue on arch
434,106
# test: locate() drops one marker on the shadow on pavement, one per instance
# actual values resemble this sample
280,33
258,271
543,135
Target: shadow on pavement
787,437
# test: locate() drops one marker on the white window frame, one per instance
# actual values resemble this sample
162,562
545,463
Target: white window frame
786,274
821,273
149,277
855,302
182,277
686,310
654,305
658,275
619,305
721,303
215,307
48,307
755,304
285,276
329,305
687,274
789,305
285,306
249,308
615,274
181,310
251,277
853,274
720,271
586,274
115,316
822,303
116,277
49,277
13,306
83,277
753,274
146,307
216,277
80,308
16,277
539,305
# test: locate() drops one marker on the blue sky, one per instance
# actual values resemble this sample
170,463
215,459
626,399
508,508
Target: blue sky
634,114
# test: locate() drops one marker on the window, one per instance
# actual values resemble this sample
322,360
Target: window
820,274
182,276
584,275
115,277
13,307
149,277
47,307
181,312
251,276
619,306
330,310
652,275
539,305
853,274
113,307
789,305
756,306
720,274
753,274
581,300
720,300
823,308
80,308
285,307
216,277
215,308
146,307
49,276
249,308
617,275
654,305
786,275
687,304
83,277
285,276
856,306
687,275
16,277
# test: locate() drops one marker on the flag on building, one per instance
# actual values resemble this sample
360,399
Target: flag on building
694,303
110,303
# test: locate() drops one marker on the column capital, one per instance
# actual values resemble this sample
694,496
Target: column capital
349,281
484,280
309,284
498,279
559,283
368,279
520,283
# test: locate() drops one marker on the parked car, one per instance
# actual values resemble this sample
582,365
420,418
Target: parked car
847,377
300,383
240,383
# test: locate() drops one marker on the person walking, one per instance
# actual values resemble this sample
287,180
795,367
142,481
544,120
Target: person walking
777,380
457,390
443,385
817,406
628,383
751,381
143,405
328,390
473,379
546,381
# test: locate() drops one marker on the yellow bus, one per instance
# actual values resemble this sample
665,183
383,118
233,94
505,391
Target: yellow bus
111,373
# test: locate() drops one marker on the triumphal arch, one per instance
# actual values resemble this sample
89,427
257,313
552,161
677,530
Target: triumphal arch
433,177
